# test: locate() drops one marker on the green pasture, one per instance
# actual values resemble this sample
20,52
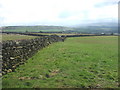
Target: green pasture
5,37
79,62
60,34
31,30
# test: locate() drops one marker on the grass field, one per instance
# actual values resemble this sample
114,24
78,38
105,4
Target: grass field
61,34
81,62
24,30
35,28
15,37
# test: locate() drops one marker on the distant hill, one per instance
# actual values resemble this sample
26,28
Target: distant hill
91,28
108,27
35,28
97,29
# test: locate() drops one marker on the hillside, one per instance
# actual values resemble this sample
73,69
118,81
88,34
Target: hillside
101,27
91,28
97,29
35,28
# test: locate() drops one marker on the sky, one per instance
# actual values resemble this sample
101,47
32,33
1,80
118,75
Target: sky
57,12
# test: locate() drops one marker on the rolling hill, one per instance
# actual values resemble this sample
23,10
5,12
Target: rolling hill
91,28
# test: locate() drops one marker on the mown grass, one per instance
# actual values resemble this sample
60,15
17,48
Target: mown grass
5,37
81,62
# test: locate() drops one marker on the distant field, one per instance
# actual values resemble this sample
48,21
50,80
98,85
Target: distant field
60,34
15,37
35,28
24,30
80,62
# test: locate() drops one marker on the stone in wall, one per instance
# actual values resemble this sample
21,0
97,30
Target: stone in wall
15,53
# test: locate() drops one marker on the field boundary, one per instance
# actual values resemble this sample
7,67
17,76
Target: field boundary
15,53
32,34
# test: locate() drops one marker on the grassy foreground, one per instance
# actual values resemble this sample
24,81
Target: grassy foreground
82,62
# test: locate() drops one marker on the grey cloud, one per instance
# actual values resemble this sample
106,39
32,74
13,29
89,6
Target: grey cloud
1,21
105,4
65,14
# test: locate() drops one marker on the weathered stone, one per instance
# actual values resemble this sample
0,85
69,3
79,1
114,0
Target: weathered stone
15,53
12,58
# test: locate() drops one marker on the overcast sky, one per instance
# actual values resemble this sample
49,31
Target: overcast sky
57,12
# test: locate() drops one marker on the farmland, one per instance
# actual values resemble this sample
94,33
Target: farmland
35,28
61,34
41,28
81,62
15,37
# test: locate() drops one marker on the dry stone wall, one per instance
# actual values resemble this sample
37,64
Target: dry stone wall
15,53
